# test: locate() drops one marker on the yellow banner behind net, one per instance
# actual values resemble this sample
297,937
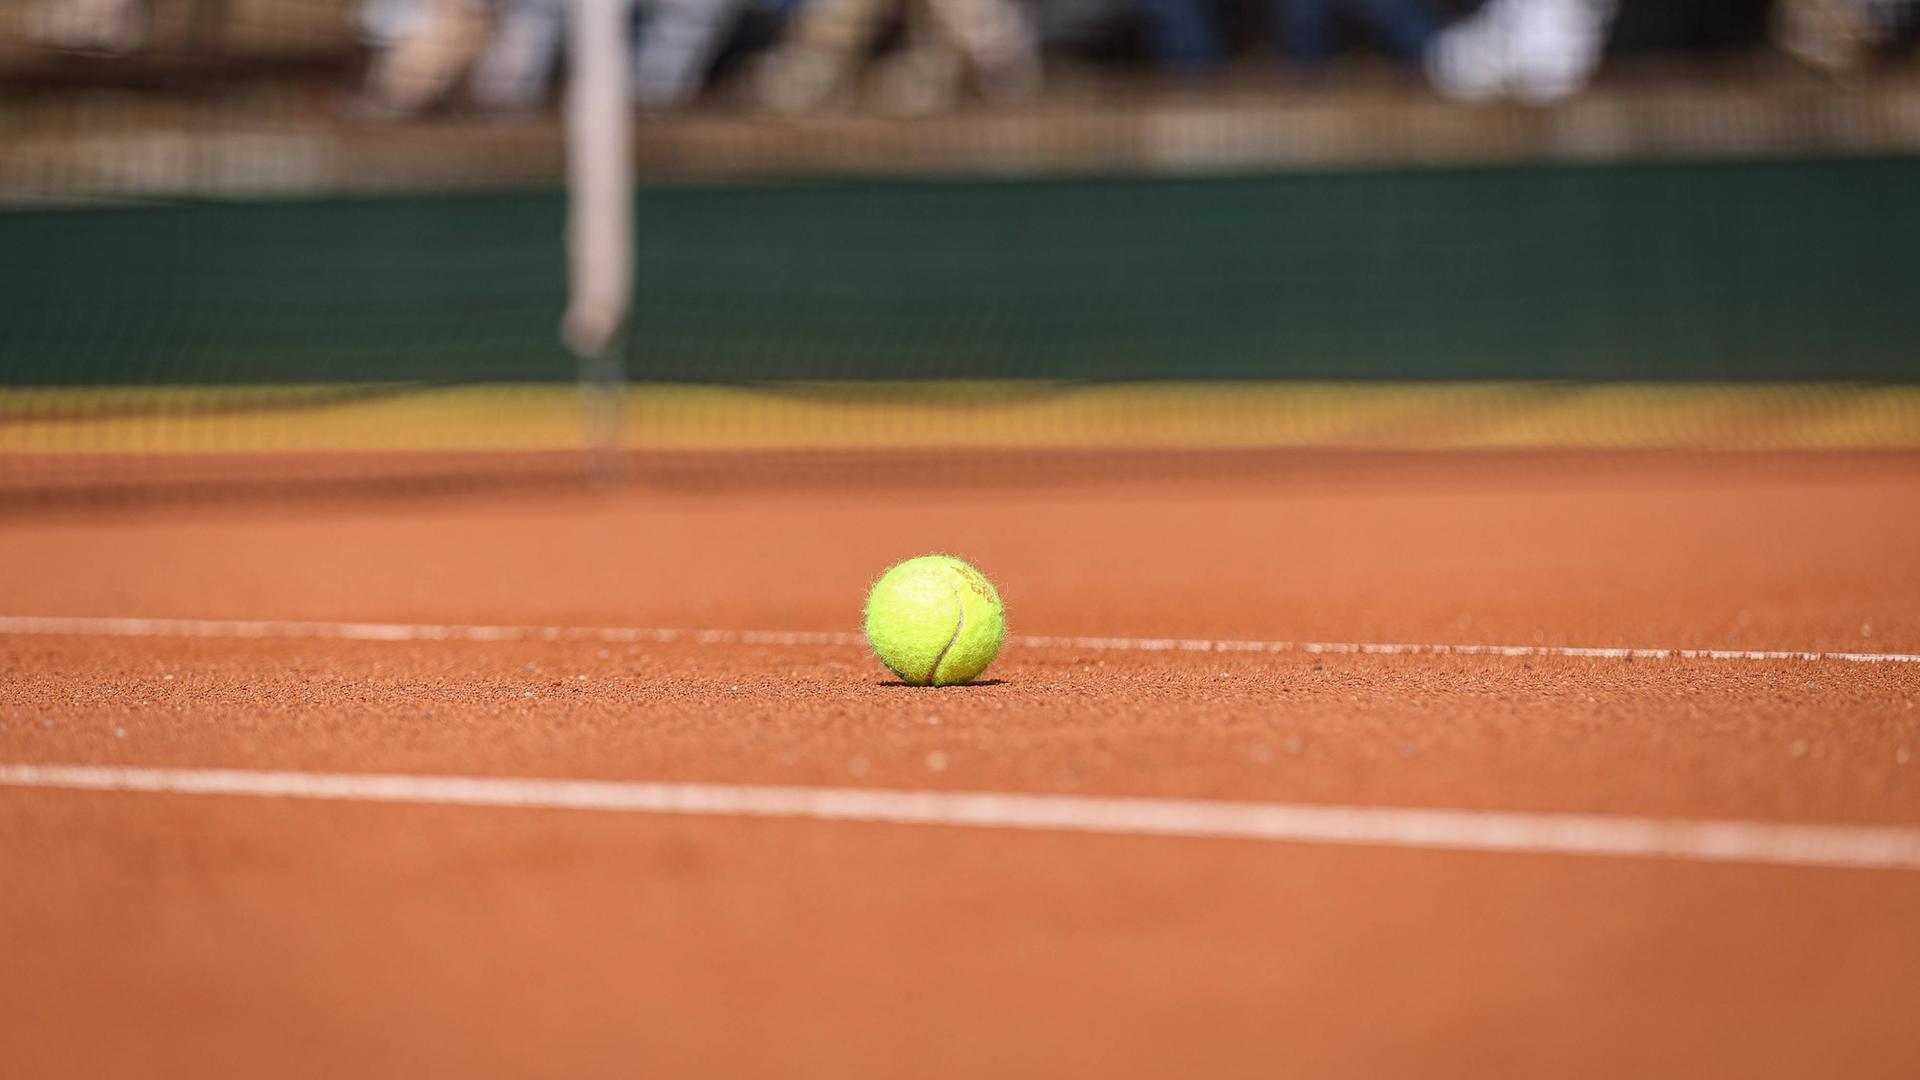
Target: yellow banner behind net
510,419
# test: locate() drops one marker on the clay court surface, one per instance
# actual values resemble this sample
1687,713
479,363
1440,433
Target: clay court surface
558,636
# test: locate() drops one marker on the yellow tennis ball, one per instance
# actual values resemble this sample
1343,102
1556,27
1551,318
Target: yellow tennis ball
935,621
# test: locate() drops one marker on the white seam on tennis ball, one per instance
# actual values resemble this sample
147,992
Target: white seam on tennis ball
960,606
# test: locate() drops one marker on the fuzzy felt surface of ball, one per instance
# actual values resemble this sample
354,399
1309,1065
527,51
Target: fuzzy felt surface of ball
935,621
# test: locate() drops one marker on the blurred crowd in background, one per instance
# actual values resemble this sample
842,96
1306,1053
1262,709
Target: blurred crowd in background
922,56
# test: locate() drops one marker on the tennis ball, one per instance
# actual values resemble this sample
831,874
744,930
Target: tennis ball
935,621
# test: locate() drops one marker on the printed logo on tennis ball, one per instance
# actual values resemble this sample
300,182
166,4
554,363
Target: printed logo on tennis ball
935,621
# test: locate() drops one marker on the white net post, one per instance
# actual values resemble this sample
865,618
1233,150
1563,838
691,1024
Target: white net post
599,216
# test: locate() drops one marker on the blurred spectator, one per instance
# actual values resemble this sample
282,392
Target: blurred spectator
946,40
114,26
1536,51
679,40
522,54
509,50
1838,36
506,53
1402,28
421,49
1184,36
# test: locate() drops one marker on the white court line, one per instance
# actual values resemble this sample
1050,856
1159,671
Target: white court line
1854,846
356,631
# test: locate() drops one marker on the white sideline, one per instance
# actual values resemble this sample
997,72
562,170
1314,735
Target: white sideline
1851,846
358,631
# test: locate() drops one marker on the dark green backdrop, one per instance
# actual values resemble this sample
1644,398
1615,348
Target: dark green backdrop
1746,271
